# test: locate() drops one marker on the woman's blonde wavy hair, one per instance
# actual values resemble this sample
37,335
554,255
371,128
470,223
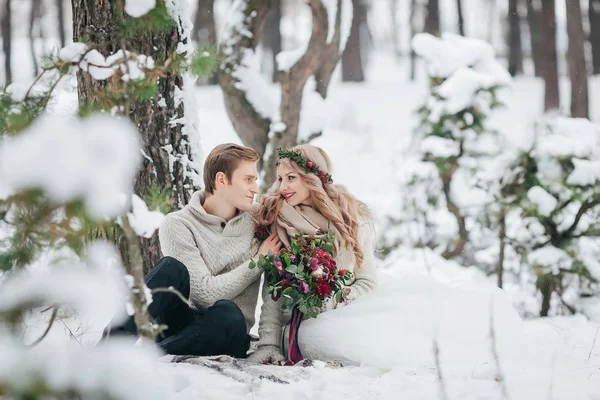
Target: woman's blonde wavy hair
332,200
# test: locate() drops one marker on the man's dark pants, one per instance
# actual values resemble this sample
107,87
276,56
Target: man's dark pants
220,329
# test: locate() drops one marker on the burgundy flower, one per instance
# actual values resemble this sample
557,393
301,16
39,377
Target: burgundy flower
323,288
303,287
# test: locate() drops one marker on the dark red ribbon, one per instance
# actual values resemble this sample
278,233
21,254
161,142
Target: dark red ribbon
294,354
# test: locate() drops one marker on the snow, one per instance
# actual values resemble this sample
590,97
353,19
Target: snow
586,172
331,8
440,147
544,201
143,221
138,8
258,91
550,258
72,52
288,58
99,157
345,23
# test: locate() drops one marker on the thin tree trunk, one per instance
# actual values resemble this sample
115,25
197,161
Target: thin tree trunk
461,19
100,22
576,60
205,32
535,34
432,21
395,28
33,17
502,236
413,32
272,35
594,16
352,66
515,50
7,41
60,10
548,55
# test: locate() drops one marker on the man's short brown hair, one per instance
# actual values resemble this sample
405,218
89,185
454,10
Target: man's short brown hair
225,158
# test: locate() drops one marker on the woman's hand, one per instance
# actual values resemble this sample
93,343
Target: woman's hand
272,243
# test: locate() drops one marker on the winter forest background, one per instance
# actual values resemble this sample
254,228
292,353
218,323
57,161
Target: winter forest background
470,127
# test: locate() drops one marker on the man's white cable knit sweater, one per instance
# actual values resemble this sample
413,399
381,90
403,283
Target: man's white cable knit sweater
216,253
273,318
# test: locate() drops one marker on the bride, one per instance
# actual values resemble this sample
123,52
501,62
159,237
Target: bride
381,325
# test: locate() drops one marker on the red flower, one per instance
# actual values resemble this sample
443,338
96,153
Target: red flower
342,272
309,164
323,288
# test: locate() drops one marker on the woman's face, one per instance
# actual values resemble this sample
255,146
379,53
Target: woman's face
292,187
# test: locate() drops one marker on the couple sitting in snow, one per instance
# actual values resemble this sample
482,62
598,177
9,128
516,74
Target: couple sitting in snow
209,243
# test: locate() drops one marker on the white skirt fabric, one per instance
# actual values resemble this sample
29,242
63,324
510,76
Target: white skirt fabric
399,322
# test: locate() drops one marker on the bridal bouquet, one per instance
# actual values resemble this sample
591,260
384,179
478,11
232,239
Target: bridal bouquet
305,275
302,278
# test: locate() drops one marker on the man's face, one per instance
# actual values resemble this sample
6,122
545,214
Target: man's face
243,186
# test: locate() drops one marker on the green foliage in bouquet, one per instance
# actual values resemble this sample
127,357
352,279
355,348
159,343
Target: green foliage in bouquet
305,275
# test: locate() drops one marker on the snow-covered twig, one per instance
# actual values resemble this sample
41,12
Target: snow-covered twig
438,367
500,377
594,343
174,291
50,323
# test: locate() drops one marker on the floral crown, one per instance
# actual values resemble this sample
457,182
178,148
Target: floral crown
308,166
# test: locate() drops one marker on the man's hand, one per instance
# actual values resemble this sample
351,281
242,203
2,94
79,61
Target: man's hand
271,243
267,355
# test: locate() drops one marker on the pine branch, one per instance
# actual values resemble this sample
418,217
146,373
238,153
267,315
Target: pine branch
50,323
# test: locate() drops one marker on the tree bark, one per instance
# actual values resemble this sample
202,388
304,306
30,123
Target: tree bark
101,21
352,65
395,28
576,60
432,21
515,49
205,32
502,237
594,17
34,16
413,32
60,10
272,35
461,18
548,56
248,123
535,35
7,41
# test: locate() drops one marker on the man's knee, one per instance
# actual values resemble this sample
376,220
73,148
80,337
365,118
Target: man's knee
231,316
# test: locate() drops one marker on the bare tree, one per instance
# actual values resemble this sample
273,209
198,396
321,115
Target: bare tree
7,41
548,55
413,31
352,63
252,123
60,14
461,19
432,20
100,22
534,16
594,17
204,31
272,35
576,60
35,16
395,28
515,49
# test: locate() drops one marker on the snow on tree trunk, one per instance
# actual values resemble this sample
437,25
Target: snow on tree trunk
166,141
266,120
352,64
515,49
576,60
548,56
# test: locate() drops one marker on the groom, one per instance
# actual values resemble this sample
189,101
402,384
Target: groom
207,246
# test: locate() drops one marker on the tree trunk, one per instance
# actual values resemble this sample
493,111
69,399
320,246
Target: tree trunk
272,35
594,16
395,28
548,56
502,237
576,60
352,66
432,21
515,50
413,32
7,41
204,32
100,22
330,55
34,16
60,10
461,18
535,35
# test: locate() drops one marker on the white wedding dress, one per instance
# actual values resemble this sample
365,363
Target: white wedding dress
399,322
